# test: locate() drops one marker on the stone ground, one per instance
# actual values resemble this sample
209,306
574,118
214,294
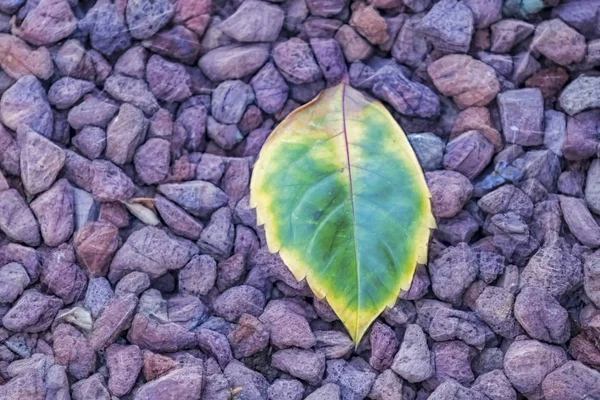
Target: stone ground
131,266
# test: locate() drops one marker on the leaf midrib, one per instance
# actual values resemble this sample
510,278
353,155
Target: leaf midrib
348,165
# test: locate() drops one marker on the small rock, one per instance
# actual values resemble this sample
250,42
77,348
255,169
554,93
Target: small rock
580,221
559,42
24,105
90,141
495,385
199,198
72,349
152,161
90,387
508,32
333,344
522,115
367,21
330,57
67,91
167,80
286,389
239,300
571,381
134,282
355,48
452,273
505,199
145,18
414,361
580,95
354,378
450,191
295,61
95,244
411,46
54,212
216,345
178,43
325,8
234,61
33,312
105,25
124,134
452,390
253,385
47,23
16,219
485,12
302,364
95,111
134,91
62,276
570,183
494,306
287,328
229,101
249,337
527,362
13,280
449,26
152,251
550,81
114,320
180,222
40,161
184,383
98,294
387,386
468,154
217,237
328,391
199,275
429,150
384,346
17,59
254,21
109,182
124,364
541,316
452,361
469,81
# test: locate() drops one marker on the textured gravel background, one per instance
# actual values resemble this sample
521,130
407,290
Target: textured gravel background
131,266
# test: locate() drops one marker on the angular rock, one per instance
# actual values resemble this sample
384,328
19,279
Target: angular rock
145,18
541,316
178,43
17,59
65,92
167,80
449,25
470,82
328,391
452,361
355,48
330,58
199,275
105,25
90,141
72,350
452,272
270,89
124,364
152,251
384,346
494,306
325,8
233,61
333,344
580,221
239,300
253,384
287,328
33,312
254,21
468,154
13,280
580,95
414,361
180,222
229,101
559,42
295,61
507,198
452,390
95,111
249,337
571,381
289,389
95,244
508,32
61,276
16,219
199,198
429,150
92,387
217,237
450,191
367,21
354,378
125,133
302,364
522,115
109,182
47,23
527,362
133,91
152,160
54,212
114,319
184,383
25,105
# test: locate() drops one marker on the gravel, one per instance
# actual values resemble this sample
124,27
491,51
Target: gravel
131,264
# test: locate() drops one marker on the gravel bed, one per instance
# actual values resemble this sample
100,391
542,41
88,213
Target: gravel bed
131,266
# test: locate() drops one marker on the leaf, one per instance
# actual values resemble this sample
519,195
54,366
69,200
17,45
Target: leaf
345,203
